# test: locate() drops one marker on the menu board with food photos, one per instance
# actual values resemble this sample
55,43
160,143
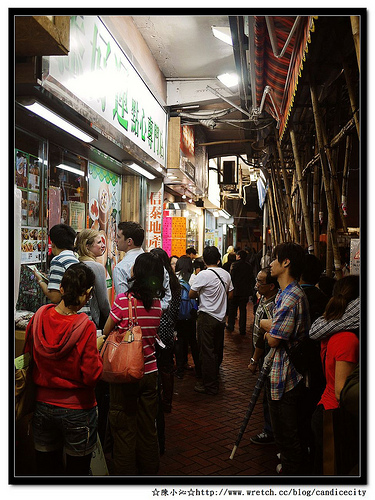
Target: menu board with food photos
27,177
33,241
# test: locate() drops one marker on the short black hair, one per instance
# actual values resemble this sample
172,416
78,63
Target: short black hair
242,254
199,264
63,236
191,250
312,269
132,230
211,256
294,253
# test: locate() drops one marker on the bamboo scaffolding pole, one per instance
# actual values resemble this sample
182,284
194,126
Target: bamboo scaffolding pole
278,211
305,211
284,217
354,20
275,215
345,174
326,179
272,220
316,210
330,254
293,224
335,180
352,95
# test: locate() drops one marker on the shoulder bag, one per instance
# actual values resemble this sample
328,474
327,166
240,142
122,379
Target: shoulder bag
122,352
25,389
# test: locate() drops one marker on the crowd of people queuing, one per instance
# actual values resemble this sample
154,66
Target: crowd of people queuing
182,303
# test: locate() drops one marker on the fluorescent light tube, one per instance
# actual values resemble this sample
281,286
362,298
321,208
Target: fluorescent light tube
222,34
70,169
223,213
141,171
55,119
228,79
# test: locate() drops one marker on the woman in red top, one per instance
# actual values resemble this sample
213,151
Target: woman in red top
66,368
340,356
133,406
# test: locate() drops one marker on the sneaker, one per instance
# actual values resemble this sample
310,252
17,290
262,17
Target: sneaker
262,438
200,388
279,469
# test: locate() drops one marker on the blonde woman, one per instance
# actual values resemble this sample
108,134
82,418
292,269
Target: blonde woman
89,246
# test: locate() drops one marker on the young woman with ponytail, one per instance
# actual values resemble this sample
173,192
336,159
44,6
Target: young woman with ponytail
66,368
339,352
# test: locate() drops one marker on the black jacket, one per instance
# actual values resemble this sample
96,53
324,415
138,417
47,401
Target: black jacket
242,278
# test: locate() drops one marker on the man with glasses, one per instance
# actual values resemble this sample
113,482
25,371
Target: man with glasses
267,288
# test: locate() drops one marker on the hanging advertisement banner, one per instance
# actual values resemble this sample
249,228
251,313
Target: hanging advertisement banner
99,73
104,213
153,230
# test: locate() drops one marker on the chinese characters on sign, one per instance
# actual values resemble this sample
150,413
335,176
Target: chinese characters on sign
98,72
153,232
174,235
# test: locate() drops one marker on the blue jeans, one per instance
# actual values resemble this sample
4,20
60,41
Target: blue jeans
55,428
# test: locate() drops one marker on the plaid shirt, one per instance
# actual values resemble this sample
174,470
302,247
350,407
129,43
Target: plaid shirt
291,321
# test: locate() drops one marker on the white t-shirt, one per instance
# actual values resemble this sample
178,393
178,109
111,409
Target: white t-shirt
212,296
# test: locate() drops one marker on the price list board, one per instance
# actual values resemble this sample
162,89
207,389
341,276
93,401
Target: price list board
174,235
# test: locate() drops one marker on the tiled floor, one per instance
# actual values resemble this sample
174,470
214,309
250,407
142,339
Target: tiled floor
202,430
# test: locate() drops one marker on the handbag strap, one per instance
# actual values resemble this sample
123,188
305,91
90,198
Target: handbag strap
210,269
132,302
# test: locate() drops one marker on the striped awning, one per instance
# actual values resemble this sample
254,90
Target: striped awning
281,74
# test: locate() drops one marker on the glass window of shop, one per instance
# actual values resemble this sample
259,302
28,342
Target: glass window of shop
30,161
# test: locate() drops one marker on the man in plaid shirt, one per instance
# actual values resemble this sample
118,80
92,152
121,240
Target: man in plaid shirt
290,322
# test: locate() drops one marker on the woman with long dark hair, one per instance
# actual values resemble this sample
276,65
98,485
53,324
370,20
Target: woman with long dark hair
186,328
133,406
166,334
66,368
339,354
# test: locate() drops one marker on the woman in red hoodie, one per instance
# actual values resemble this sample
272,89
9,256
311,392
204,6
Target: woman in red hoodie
66,368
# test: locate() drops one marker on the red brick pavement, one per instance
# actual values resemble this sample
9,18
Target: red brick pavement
202,429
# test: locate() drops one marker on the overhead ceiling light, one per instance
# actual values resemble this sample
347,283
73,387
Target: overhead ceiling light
140,170
70,169
55,119
224,213
228,79
222,34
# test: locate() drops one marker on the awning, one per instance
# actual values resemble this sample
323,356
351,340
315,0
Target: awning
280,74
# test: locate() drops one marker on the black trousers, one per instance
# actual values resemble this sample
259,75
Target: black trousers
210,333
238,302
286,424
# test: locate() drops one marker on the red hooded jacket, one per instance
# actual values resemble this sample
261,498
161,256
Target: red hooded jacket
67,364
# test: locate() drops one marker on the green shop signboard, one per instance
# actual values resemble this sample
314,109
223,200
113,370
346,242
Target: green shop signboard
104,213
98,72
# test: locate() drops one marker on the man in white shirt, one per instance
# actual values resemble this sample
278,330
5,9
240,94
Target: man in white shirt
130,236
213,286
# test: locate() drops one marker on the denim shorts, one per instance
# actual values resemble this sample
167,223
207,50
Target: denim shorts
73,430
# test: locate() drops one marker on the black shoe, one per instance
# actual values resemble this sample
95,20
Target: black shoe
262,438
200,388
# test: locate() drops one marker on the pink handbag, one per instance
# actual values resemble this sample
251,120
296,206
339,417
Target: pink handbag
122,352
